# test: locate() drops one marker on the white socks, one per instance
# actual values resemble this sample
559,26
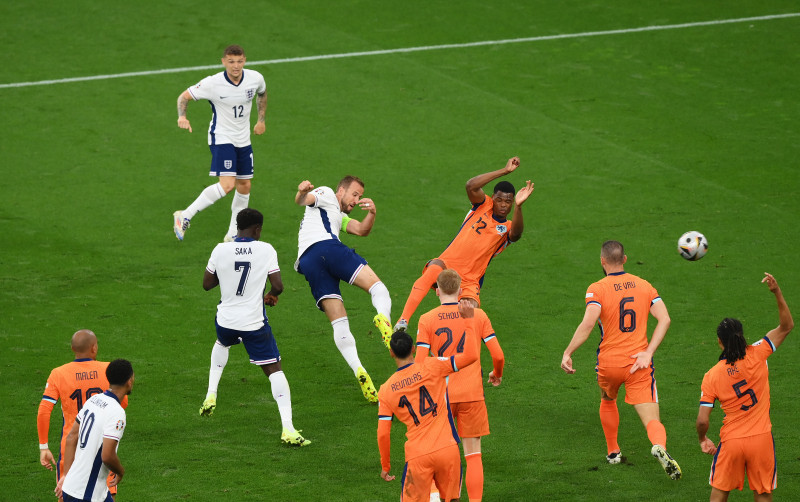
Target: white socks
282,396
210,195
381,299
238,203
219,358
346,343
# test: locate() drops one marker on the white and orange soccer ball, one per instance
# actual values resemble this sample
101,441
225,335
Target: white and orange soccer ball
692,245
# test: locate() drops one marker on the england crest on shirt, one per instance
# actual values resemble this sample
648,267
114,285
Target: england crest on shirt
501,229
250,93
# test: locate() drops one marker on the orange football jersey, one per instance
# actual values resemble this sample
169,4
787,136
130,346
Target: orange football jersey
442,331
742,391
624,300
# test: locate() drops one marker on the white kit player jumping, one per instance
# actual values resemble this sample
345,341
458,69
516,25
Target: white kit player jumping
94,436
324,261
241,269
230,93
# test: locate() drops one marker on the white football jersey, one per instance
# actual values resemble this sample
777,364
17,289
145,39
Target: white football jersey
101,417
230,105
321,220
242,267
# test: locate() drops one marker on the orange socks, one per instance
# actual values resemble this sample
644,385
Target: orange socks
609,419
420,289
474,477
656,433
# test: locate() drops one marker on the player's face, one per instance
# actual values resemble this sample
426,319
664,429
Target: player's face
503,202
350,197
233,66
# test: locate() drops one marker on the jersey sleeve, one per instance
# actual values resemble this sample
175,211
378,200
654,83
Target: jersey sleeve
115,427
763,348
490,340
201,90
211,267
272,260
423,338
708,393
384,433
594,295
262,85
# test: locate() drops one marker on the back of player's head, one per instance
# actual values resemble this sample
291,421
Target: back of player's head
731,333
401,344
119,371
233,50
347,181
82,341
249,217
448,281
505,187
613,252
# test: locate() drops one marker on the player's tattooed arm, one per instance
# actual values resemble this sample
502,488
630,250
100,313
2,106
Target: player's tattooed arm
261,104
183,101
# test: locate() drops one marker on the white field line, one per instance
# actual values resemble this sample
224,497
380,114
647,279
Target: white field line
409,49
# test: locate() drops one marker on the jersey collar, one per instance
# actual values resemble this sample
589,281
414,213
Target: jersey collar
83,359
111,394
617,273
225,72
243,239
401,368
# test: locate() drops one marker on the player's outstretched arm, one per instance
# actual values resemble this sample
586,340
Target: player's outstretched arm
582,333
706,445
517,223
779,334
302,197
183,101
364,227
475,185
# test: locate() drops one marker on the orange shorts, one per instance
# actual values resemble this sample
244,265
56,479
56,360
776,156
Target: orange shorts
470,288
471,418
640,387
754,455
442,467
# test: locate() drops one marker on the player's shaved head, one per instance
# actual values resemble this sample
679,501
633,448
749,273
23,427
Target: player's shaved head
448,281
613,252
401,344
82,342
347,181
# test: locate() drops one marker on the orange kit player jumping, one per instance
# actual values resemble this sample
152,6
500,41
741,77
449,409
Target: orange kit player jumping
740,382
443,333
620,304
417,395
73,383
484,234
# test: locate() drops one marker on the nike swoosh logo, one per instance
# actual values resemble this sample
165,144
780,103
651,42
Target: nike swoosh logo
223,97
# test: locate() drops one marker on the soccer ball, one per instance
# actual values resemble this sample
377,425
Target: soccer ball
692,245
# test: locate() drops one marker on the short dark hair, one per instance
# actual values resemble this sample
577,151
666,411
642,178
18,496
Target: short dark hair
613,252
119,371
347,181
233,50
505,187
731,333
401,344
249,217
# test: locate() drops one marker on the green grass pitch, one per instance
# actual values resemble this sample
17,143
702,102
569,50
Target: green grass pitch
633,135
